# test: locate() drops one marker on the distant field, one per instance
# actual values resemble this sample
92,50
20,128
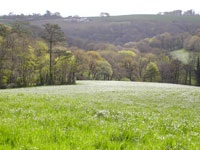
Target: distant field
118,30
116,19
184,55
165,18
181,55
125,19
101,115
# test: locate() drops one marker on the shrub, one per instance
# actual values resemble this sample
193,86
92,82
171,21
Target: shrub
11,85
125,79
3,82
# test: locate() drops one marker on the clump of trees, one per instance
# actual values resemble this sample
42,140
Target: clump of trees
29,60
180,13
34,16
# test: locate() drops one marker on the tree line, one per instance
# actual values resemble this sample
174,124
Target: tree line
26,60
35,16
180,13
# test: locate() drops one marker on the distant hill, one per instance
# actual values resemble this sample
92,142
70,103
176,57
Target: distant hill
146,17
119,30
122,29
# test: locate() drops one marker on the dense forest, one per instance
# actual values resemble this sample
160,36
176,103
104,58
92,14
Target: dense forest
51,50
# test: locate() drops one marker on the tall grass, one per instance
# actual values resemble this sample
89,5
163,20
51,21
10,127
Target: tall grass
101,115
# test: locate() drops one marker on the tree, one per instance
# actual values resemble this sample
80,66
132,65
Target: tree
127,60
42,59
152,71
94,57
176,67
104,14
192,43
48,13
82,64
104,70
4,32
197,72
53,34
65,68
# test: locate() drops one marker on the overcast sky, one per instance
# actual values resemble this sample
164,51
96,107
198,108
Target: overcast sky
95,7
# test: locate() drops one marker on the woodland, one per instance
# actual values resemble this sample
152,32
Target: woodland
51,51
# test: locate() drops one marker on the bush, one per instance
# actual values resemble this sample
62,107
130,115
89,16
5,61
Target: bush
12,85
3,82
125,79
19,82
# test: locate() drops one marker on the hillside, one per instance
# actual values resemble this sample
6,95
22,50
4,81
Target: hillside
121,29
159,18
100,115
94,48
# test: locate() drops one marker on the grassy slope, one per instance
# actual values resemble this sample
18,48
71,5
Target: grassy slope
125,18
184,55
181,55
162,18
101,115
122,19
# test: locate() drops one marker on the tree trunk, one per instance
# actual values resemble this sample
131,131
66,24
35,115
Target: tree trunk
190,76
186,76
50,63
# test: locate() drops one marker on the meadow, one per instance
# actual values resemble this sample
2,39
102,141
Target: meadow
112,115
184,56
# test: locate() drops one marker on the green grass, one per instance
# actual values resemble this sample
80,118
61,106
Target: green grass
101,115
146,17
125,18
181,55
120,19
184,55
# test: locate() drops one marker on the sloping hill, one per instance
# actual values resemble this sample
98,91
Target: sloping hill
183,55
144,17
122,29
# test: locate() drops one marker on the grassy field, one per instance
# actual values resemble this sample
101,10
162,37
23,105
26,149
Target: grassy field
127,18
146,17
101,115
181,55
184,55
119,19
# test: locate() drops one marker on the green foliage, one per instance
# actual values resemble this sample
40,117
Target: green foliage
104,70
125,79
127,53
53,33
65,68
35,62
4,30
19,82
197,72
94,55
193,43
152,72
1,39
3,82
